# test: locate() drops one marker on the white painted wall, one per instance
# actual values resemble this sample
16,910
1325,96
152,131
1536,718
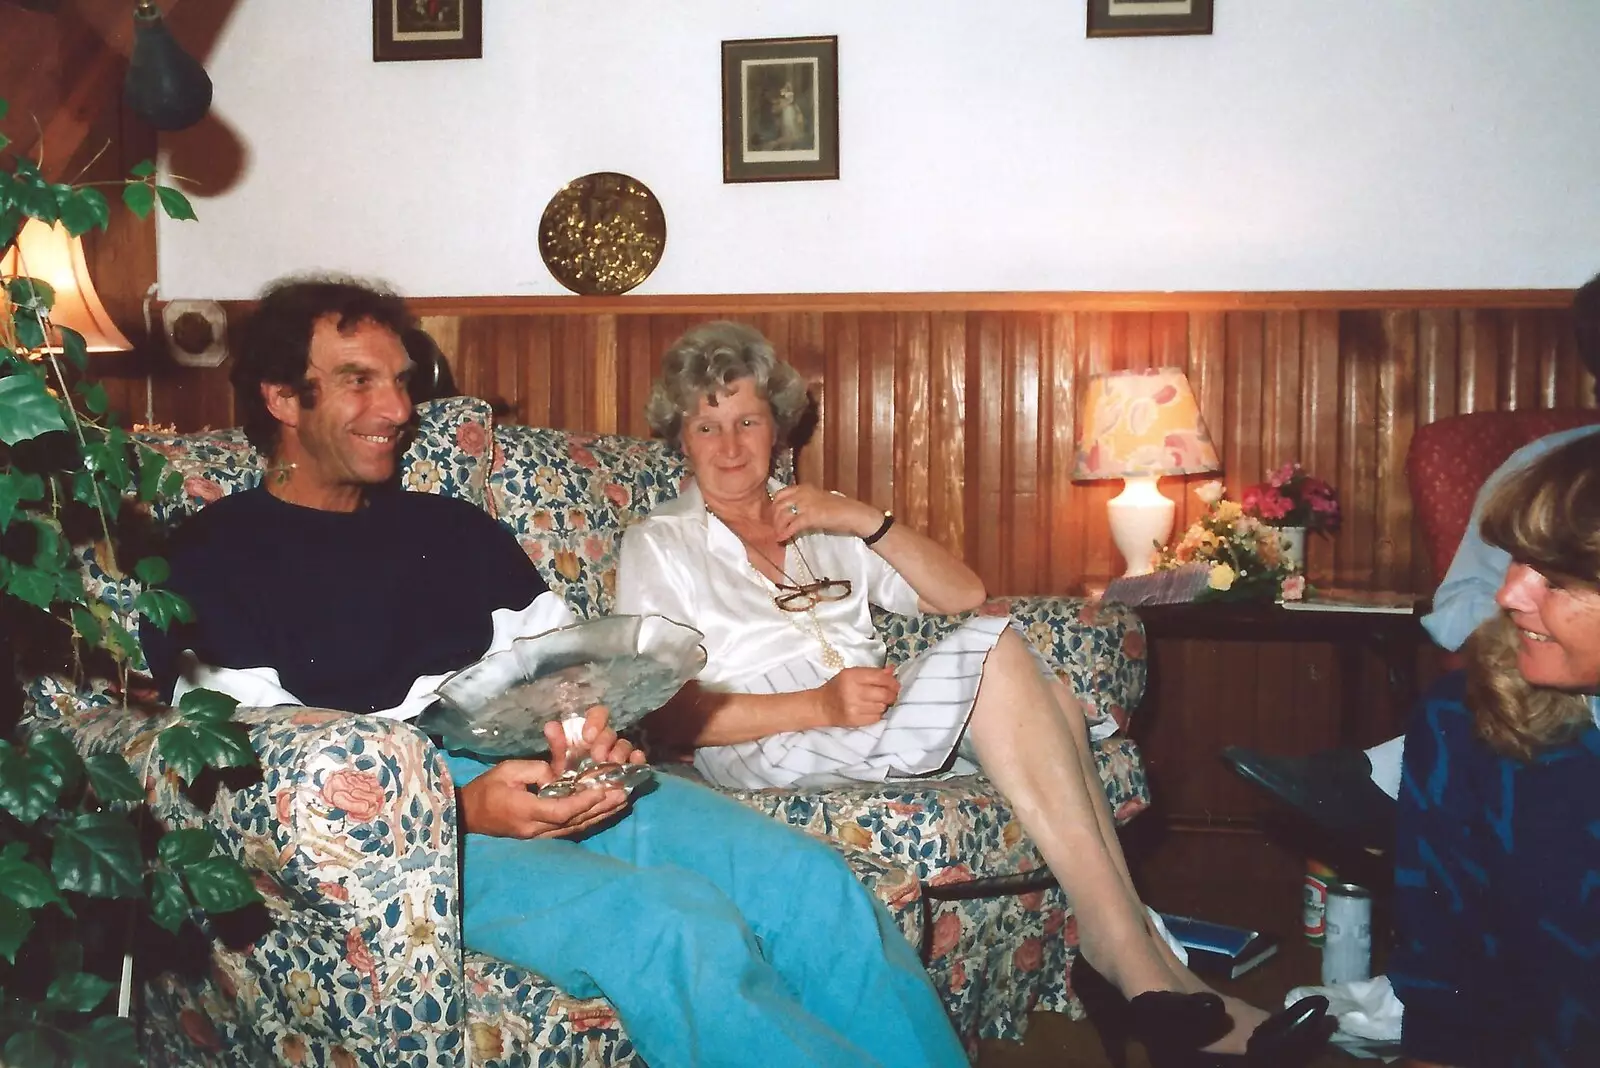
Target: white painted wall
1307,144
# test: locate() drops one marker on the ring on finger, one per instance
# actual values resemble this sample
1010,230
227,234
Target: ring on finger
794,509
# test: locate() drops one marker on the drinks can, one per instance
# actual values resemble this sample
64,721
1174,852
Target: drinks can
1315,899
1347,948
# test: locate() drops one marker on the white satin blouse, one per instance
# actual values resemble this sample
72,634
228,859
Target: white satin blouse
686,564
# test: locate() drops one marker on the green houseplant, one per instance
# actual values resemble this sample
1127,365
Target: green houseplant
75,833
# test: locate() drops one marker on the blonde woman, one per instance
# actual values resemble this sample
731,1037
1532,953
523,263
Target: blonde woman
1497,860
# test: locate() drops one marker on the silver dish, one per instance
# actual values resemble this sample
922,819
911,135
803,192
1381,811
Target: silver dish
497,707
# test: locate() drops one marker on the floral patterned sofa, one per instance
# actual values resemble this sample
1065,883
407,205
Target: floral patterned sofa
351,834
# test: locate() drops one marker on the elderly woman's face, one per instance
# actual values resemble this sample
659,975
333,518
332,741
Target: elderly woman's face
729,444
1560,630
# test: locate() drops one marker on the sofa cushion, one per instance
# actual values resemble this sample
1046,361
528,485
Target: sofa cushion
568,497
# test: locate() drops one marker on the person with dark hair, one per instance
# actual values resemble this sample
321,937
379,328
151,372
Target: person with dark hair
275,344
1351,792
1497,856
329,586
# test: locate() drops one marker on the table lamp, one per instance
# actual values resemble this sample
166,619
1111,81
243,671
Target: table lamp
1138,426
47,252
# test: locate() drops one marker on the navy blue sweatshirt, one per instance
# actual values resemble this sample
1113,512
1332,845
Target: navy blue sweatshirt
1497,896
349,607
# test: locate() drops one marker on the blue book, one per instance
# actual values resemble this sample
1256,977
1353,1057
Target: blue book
1219,948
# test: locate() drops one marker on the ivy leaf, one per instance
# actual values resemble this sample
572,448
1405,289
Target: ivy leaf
24,882
169,905
78,992
152,465
31,293
152,571
207,706
16,487
220,884
15,923
98,854
30,585
26,408
189,845
29,785
111,778
87,626
94,397
30,334
83,210
108,1042
162,608
139,198
174,203
54,748
76,349
190,747
143,169
106,458
36,1046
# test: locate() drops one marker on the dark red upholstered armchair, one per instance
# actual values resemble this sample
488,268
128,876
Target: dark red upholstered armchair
1450,460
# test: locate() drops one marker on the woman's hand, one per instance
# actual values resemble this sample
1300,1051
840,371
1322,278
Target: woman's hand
858,696
501,802
802,509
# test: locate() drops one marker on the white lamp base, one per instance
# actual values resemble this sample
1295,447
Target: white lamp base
1141,520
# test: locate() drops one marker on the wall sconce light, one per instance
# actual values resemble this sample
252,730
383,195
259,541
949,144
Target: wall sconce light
1139,426
165,86
52,255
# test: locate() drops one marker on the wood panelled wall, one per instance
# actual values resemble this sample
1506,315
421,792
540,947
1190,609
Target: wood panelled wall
964,421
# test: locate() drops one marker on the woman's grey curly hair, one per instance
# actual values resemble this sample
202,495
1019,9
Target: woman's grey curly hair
706,362
1547,517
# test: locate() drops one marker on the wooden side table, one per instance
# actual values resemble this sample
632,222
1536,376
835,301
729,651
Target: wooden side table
1393,637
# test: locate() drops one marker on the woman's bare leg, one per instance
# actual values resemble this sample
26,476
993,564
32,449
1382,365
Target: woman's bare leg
1031,740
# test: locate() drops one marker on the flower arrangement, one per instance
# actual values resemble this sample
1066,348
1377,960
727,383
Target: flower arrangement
1291,498
1242,552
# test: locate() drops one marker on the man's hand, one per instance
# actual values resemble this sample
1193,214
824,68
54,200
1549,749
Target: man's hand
500,803
600,741
858,696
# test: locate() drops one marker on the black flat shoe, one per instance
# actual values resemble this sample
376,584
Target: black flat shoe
1286,1040
1175,1021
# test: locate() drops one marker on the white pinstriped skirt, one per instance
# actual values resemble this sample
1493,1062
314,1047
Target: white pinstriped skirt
920,735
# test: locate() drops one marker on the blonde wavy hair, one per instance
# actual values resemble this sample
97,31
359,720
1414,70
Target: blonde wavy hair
1547,517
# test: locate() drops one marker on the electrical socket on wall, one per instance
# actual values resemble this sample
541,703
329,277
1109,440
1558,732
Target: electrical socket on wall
197,332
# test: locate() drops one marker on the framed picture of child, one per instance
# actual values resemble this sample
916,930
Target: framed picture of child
780,109
426,29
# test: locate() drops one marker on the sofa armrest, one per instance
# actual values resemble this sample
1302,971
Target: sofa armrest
349,833
1097,647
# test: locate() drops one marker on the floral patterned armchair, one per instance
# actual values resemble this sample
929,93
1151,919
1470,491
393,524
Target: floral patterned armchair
351,833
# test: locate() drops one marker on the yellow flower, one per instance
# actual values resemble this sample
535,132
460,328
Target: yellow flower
1228,511
1221,577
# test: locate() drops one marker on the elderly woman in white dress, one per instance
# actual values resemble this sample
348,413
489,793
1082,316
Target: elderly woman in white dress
780,579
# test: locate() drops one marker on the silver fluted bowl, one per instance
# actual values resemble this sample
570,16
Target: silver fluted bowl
497,707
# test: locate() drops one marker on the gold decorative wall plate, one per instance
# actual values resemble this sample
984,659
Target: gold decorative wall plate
602,234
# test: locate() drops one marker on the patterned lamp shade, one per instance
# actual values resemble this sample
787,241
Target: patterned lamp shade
1142,423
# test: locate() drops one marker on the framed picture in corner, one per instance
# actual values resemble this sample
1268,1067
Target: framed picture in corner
780,109
426,29
1143,18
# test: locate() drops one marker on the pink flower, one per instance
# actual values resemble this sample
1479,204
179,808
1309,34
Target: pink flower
1282,475
198,1029
1294,587
202,488
946,933
471,438
1029,956
358,793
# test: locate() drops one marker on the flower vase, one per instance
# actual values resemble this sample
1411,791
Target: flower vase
1292,544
